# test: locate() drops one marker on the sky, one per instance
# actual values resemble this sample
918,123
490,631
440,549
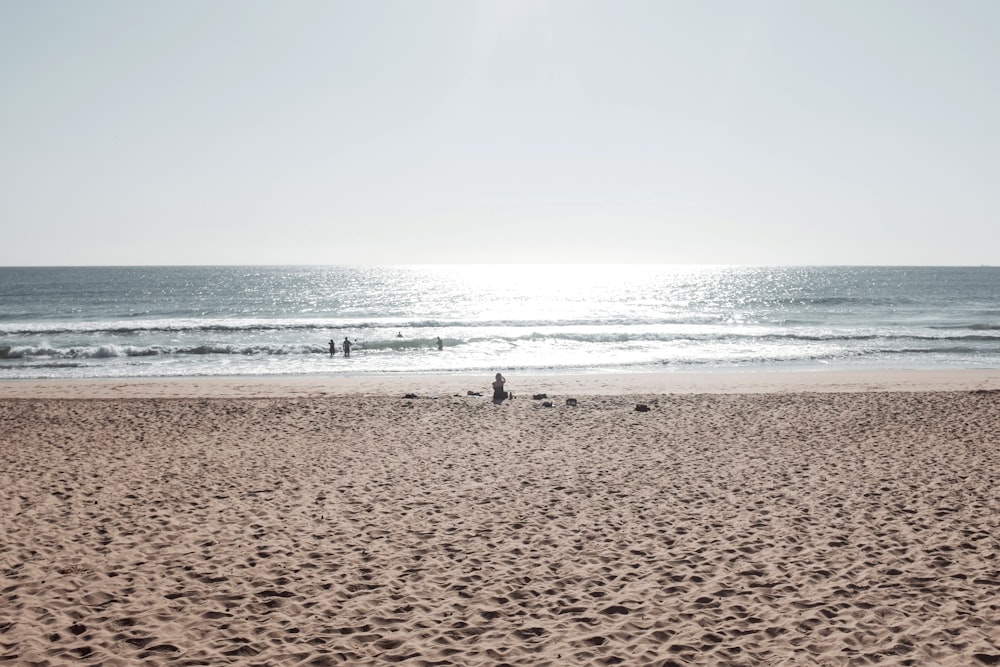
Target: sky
505,131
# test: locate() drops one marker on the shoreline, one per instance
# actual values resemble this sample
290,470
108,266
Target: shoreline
523,386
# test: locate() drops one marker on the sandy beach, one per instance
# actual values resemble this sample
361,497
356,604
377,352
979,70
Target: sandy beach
745,519
606,384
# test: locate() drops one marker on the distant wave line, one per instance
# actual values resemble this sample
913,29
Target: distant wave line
445,325
341,326
879,343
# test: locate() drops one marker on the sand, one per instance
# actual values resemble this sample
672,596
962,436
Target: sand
326,523
568,385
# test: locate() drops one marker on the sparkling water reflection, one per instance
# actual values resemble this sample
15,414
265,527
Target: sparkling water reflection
153,321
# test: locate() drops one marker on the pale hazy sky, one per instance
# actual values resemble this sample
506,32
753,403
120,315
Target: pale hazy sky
748,132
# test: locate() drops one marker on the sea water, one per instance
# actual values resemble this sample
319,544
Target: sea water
278,320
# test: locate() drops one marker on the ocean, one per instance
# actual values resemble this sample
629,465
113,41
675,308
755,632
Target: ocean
121,322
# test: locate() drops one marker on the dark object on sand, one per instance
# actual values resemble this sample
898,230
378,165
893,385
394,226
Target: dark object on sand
571,402
546,404
499,394
474,393
539,397
409,396
641,407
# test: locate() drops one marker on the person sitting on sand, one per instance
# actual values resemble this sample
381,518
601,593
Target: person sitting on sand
498,391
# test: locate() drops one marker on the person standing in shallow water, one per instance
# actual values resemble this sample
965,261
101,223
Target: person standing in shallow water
347,347
440,344
498,391
333,348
